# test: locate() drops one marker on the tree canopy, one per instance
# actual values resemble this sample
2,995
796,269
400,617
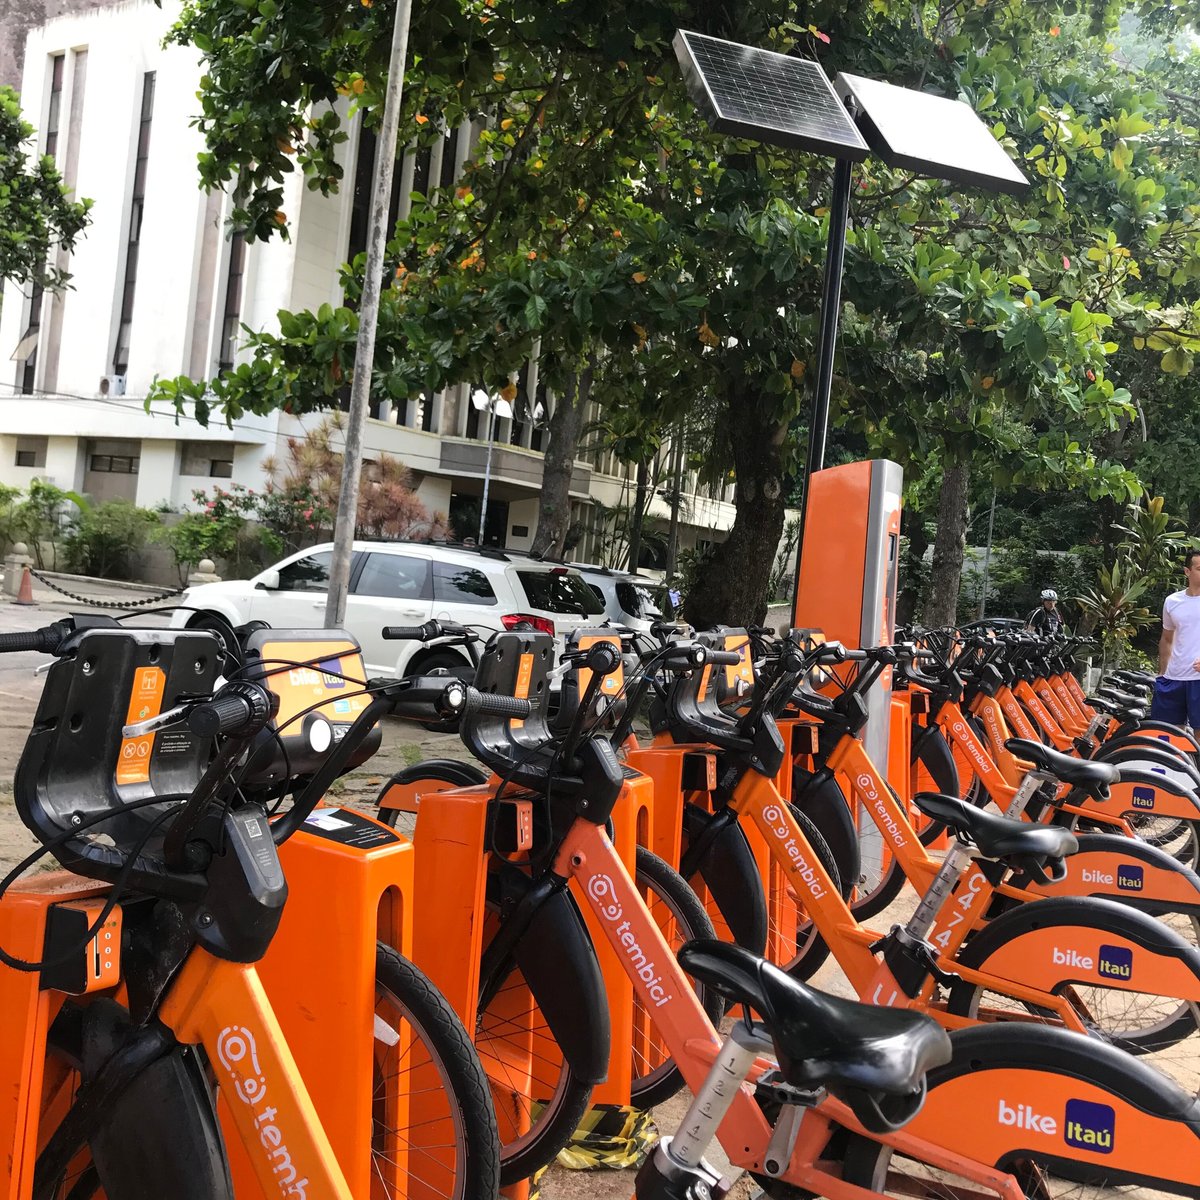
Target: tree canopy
665,270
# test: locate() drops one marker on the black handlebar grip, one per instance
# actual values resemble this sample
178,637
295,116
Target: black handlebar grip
408,633
724,658
228,712
42,641
494,705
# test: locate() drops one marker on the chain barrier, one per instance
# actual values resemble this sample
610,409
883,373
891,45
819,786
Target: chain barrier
93,603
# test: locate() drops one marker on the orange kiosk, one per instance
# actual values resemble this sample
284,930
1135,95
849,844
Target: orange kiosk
847,587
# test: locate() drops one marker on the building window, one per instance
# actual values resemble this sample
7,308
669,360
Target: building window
231,320
211,459
57,64
31,451
114,464
137,200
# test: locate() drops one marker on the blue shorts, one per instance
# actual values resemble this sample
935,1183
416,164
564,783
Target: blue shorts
1176,701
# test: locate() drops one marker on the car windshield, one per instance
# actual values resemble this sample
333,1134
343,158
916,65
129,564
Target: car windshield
643,600
560,592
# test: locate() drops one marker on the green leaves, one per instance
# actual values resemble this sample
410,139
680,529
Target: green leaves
37,217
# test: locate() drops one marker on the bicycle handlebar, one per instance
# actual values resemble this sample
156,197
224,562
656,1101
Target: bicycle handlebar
723,658
423,633
46,640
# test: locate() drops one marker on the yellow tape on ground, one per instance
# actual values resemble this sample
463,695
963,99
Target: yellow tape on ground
612,1136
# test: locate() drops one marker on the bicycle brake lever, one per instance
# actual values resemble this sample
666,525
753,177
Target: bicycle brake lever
151,724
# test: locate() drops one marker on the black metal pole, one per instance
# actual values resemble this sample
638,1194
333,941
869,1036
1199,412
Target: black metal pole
831,307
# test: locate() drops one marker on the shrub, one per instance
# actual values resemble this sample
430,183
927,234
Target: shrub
107,538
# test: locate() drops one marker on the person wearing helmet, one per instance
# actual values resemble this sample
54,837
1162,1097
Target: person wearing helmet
1046,620
1177,688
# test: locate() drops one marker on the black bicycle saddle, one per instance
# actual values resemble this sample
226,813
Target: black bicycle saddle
859,1052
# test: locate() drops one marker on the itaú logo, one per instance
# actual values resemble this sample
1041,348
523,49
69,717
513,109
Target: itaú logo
773,816
867,789
237,1053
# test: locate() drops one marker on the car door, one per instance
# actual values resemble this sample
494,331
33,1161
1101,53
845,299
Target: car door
299,600
390,589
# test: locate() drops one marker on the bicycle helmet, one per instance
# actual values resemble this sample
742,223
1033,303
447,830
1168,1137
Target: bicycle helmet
1049,594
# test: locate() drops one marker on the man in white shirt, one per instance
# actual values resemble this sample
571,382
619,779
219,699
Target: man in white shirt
1177,688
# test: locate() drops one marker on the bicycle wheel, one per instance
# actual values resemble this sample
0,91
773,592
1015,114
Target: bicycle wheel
512,1038
680,917
433,1127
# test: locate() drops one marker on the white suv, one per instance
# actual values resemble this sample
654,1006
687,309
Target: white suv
635,601
403,583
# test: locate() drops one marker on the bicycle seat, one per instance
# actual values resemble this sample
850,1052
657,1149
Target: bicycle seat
1080,772
858,1051
1123,698
998,837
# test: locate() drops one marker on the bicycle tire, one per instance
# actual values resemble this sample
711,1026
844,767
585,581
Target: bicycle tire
471,1117
654,875
554,1117
872,901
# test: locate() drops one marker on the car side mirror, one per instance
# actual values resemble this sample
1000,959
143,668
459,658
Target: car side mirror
268,580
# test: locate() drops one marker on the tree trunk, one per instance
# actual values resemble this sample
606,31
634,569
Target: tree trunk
950,543
564,428
732,589
638,516
913,568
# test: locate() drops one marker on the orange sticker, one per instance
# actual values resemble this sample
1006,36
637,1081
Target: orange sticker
744,669
524,676
613,682
331,685
145,701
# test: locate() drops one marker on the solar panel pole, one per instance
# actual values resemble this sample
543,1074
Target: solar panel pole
831,307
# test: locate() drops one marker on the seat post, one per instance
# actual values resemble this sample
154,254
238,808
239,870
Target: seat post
729,1070
1026,792
953,865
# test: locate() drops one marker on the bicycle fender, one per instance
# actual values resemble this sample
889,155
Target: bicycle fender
1114,1118
558,960
1126,870
732,878
168,1104
1085,939
931,747
438,773
820,798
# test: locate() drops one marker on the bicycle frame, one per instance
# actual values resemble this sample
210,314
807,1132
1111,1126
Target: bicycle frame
587,855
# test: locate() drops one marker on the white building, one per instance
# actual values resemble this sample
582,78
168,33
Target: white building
160,289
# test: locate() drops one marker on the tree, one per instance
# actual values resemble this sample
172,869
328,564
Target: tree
599,215
37,217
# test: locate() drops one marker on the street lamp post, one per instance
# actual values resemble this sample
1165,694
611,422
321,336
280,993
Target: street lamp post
496,406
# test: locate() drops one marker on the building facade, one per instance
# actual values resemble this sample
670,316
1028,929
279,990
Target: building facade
159,288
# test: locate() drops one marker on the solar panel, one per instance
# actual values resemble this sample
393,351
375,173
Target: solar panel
930,134
766,97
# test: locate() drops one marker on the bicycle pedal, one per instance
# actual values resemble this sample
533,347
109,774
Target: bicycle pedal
90,965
